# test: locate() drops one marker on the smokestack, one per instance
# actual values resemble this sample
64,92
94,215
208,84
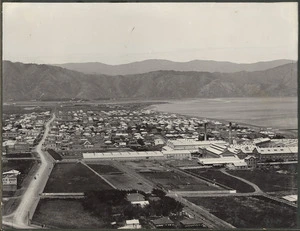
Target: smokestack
205,130
230,135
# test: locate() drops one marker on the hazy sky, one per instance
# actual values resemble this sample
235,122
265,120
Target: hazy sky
116,33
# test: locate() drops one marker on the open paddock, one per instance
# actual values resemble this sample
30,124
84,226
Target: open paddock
249,212
104,169
143,165
73,177
183,163
270,180
177,181
125,182
65,214
221,178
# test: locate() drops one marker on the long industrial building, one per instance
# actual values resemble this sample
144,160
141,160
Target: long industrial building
276,153
223,161
150,155
187,144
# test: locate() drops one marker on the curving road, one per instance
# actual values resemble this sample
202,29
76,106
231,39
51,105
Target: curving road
256,188
20,218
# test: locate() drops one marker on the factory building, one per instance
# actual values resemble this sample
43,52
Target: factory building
150,155
215,150
124,155
223,161
276,153
186,144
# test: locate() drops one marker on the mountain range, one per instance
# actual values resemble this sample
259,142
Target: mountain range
47,82
160,65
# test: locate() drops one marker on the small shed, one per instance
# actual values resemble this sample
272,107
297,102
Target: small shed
191,223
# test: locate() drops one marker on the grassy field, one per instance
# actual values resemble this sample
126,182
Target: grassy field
125,182
270,180
142,165
249,212
223,179
176,181
105,169
65,214
73,177
22,166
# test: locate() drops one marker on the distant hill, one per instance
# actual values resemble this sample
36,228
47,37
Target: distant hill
158,65
45,82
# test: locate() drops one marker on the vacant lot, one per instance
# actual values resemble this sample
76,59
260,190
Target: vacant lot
105,169
223,179
142,165
250,212
73,177
269,180
178,181
22,166
65,214
125,182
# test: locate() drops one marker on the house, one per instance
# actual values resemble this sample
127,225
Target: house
131,224
10,180
137,199
164,222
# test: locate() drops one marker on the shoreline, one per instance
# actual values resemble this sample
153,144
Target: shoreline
285,131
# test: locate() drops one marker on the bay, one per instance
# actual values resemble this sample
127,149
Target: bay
280,113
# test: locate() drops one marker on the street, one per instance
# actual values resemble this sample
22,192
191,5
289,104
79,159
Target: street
20,218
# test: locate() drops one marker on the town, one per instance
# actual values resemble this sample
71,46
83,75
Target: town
145,160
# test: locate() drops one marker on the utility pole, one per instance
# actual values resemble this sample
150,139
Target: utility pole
28,218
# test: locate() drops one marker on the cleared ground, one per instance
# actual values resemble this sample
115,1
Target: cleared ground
105,169
182,163
177,181
142,165
270,180
223,179
125,182
250,212
73,177
65,214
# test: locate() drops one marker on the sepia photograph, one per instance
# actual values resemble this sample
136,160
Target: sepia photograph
149,115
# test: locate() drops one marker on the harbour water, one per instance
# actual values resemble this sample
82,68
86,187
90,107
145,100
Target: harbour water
278,113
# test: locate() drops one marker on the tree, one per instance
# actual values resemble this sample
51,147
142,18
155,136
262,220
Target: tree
141,142
158,192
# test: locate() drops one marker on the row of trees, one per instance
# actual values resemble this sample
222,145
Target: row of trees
112,205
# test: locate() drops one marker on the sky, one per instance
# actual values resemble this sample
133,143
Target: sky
117,33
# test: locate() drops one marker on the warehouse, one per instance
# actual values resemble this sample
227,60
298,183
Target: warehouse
177,154
187,144
124,155
223,161
150,155
276,153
